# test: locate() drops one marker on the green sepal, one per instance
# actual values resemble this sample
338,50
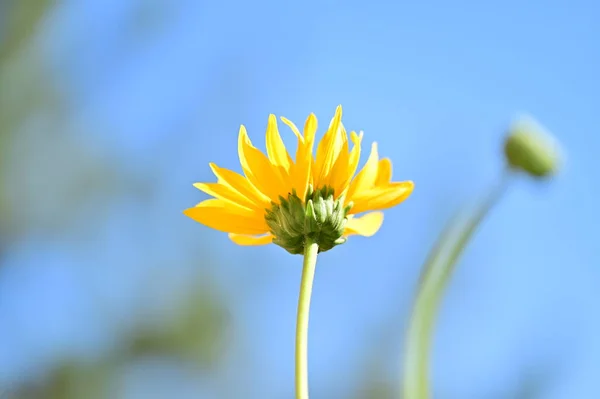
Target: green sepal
320,217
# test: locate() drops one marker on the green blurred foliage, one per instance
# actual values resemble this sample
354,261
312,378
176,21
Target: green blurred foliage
24,87
21,73
72,380
195,333
19,23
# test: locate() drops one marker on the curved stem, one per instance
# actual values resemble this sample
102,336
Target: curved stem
308,273
433,281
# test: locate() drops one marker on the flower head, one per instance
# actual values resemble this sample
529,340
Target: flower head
282,200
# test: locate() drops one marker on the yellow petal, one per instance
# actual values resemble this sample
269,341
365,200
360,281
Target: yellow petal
226,193
276,151
355,153
382,197
224,216
384,172
351,161
328,149
242,239
258,169
242,185
303,167
310,129
339,178
365,179
366,225
293,127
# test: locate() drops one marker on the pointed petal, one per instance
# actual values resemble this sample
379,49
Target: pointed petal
226,193
246,240
276,150
328,149
224,216
258,169
241,185
293,127
382,197
339,178
355,153
384,172
366,177
366,225
352,162
302,176
310,129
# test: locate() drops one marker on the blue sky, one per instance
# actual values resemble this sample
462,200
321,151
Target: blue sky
435,84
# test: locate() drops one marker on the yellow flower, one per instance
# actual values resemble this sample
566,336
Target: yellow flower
270,203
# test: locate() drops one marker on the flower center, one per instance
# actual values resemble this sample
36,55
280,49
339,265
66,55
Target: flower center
319,217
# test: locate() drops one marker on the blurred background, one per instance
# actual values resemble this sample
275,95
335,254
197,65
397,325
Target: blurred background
111,110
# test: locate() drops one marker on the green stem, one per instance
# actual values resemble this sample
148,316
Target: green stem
434,279
308,274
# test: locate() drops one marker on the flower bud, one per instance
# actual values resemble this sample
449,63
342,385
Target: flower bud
530,148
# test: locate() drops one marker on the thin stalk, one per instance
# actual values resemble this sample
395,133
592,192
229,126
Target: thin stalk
434,278
308,273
